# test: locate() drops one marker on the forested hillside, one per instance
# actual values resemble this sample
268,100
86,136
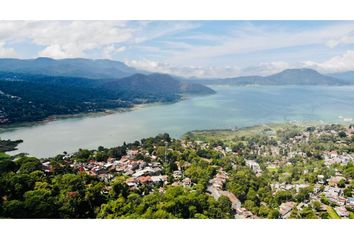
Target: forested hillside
28,97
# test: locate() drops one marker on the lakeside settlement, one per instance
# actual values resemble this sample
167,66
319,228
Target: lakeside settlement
268,171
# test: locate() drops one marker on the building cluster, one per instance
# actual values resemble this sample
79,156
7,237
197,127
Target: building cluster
333,157
287,187
282,153
254,166
216,189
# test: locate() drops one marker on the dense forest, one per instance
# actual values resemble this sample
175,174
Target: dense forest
26,97
274,171
27,190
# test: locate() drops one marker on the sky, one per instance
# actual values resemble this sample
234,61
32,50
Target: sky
205,49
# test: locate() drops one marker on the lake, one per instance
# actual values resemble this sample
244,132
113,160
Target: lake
229,107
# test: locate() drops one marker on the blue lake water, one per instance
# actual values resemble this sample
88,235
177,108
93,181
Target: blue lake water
231,106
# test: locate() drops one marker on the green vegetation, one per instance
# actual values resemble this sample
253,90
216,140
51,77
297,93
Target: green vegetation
28,189
7,145
26,98
4,156
272,171
332,214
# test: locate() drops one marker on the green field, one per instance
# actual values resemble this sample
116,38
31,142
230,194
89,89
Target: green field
332,214
227,135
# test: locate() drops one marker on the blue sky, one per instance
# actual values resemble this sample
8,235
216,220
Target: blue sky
189,48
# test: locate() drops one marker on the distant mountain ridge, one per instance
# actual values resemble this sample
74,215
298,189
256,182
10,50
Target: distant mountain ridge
302,76
347,76
28,97
70,67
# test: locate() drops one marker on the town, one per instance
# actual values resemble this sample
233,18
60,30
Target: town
268,171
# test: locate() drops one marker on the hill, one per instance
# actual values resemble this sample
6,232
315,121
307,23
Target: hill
347,76
72,67
27,97
303,76
156,84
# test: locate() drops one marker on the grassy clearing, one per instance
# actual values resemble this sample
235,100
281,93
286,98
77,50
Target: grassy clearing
332,214
227,135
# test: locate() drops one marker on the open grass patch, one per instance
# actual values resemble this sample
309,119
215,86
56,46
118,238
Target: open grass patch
332,213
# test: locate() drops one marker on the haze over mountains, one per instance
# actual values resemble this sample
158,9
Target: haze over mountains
302,76
72,67
109,69
348,76
34,89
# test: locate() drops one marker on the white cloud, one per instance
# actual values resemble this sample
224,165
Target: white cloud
263,69
199,53
111,50
344,62
251,39
184,71
75,38
345,39
53,51
7,52
149,30
266,68
66,38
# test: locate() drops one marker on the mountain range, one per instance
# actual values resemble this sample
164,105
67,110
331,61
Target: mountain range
70,67
302,76
348,76
32,90
35,89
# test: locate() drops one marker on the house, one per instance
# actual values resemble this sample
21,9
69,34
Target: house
227,149
139,173
187,182
132,182
160,178
342,211
111,160
350,201
285,209
177,174
320,179
299,186
132,154
333,181
254,166
144,179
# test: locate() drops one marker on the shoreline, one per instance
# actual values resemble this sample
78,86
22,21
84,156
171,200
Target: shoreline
196,133
106,112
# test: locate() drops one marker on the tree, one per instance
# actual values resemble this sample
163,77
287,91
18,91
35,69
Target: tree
14,209
283,196
18,184
273,214
316,205
263,211
101,156
307,213
341,183
119,187
83,154
29,164
251,195
8,166
40,204
225,206
342,134
304,194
